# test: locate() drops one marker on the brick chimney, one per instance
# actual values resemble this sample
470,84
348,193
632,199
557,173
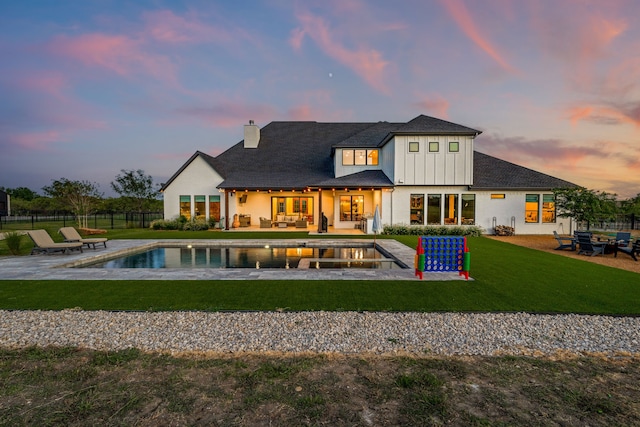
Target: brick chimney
251,135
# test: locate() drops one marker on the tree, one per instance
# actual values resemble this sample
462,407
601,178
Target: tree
585,205
80,197
22,193
135,188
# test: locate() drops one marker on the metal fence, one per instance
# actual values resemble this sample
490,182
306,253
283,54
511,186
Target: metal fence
101,220
621,222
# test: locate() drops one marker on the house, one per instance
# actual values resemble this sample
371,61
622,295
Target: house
423,172
5,203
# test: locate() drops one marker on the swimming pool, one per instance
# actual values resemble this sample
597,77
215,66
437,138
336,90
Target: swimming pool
256,257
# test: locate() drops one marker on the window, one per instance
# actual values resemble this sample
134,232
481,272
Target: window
450,208
454,146
468,209
548,208
185,206
414,146
200,206
347,157
497,196
531,208
214,208
434,147
293,207
417,209
351,208
360,157
434,208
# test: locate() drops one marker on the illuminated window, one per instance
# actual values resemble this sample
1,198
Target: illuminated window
214,208
531,206
372,157
414,147
185,206
351,208
360,157
200,206
548,208
434,147
450,208
417,209
454,147
497,196
347,157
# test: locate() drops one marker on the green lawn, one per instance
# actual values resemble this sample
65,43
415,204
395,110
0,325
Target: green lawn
507,278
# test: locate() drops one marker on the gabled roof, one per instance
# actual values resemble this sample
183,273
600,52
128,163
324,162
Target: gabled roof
426,125
491,173
365,179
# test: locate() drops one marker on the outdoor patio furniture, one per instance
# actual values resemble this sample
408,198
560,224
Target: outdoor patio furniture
301,223
564,242
70,234
265,222
623,238
589,247
45,244
633,250
245,220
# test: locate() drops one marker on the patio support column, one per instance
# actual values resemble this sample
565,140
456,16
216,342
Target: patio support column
226,210
319,219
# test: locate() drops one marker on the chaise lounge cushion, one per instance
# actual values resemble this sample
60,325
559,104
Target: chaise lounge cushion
43,243
70,234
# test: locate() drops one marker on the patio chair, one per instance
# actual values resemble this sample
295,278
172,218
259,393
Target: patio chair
587,246
265,222
70,234
632,250
623,238
45,244
564,242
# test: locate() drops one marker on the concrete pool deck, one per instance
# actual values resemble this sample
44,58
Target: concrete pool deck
60,266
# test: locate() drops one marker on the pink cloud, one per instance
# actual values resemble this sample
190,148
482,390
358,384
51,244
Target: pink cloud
621,113
165,26
462,17
364,62
116,53
34,141
229,113
435,105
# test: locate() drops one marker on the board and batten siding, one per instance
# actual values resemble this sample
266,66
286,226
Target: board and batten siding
433,168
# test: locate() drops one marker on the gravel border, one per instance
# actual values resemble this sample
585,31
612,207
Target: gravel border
321,332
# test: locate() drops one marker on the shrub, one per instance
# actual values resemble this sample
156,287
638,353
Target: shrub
432,230
13,239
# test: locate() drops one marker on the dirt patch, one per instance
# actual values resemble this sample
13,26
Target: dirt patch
549,243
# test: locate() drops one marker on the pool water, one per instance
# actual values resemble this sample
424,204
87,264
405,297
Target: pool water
252,257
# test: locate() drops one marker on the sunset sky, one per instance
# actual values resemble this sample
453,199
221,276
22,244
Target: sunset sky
90,87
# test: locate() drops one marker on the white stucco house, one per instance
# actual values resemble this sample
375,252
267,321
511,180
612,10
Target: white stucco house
423,172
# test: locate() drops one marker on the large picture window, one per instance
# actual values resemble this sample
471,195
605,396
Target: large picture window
214,208
468,209
351,208
200,206
292,207
531,206
417,209
548,208
434,208
185,206
450,208
360,157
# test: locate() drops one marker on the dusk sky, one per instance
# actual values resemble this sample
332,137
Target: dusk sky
88,88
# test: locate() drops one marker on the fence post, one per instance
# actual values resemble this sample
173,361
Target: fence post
32,222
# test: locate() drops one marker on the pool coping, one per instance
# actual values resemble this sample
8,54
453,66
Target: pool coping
61,266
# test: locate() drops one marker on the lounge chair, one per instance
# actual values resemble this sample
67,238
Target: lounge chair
45,244
70,234
587,246
265,222
632,250
564,242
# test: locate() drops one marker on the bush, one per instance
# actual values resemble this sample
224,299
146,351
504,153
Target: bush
432,230
13,239
179,224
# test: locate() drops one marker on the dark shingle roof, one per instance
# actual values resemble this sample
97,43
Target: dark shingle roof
491,173
297,155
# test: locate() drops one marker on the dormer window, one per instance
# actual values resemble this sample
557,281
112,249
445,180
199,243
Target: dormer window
414,146
454,146
360,157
